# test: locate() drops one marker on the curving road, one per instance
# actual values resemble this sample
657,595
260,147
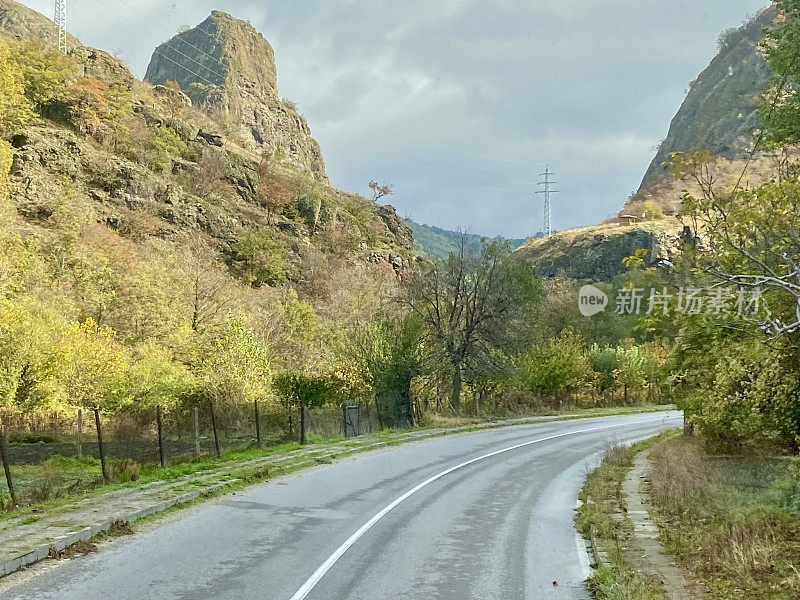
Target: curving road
486,515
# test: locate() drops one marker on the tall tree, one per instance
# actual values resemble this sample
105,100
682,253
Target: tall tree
472,304
387,351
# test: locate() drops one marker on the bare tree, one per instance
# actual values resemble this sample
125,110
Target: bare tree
212,168
472,304
273,193
211,288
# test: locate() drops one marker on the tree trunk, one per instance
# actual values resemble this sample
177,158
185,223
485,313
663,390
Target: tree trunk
455,403
406,408
688,428
378,412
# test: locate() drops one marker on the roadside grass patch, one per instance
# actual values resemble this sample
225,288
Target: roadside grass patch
734,521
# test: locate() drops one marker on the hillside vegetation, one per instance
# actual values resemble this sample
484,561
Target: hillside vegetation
151,258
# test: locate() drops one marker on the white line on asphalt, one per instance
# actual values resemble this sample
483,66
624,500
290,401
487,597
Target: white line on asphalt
583,551
312,581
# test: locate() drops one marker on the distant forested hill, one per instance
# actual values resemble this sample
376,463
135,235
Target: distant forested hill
438,242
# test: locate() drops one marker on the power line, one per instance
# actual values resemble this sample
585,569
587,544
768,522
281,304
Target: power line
491,180
505,160
547,191
156,51
488,187
209,69
181,39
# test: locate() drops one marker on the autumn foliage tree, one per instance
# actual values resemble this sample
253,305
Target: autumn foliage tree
380,190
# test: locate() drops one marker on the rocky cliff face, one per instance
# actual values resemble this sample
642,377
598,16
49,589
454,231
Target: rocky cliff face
719,111
228,69
596,253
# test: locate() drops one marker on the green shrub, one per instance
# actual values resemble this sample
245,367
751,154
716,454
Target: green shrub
557,366
260,256
162,145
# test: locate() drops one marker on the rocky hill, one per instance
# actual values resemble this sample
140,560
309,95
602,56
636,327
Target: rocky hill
228,70
718,115
596,253
719,111
145,162
20,21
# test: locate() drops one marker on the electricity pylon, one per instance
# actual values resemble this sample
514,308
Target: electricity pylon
548,208
61,24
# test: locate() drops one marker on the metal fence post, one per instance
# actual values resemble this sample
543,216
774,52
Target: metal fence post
196,427
216,436
160,435
6,467
80,433
258,423
100,449
302,424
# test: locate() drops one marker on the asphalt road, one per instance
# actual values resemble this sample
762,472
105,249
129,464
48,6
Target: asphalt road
436,520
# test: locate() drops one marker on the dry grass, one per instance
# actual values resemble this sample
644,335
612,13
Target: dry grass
733,521
432,419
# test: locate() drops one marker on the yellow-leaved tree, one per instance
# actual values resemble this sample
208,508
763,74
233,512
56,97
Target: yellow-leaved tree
89,359
15,109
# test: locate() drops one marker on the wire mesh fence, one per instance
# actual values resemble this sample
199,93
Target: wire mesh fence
52,454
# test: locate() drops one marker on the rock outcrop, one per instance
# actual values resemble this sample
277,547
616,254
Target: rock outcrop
228,70
207,183
596,253
20,21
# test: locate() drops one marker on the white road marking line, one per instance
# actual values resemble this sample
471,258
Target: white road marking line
312,581
583,551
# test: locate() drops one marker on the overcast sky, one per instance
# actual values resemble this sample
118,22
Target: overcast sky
450,99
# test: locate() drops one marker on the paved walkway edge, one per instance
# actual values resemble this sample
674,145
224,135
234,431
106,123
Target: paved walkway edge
10,565
654,560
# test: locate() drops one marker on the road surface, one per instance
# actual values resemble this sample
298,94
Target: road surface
486,515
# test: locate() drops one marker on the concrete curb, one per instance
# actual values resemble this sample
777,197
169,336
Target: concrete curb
11,564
